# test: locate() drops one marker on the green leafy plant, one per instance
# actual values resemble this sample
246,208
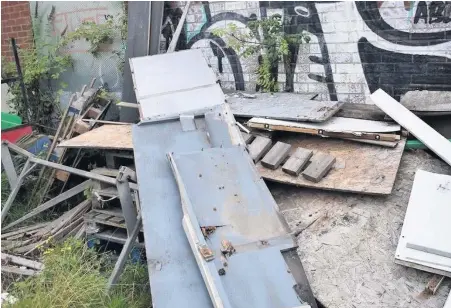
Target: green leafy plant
42,66
265,37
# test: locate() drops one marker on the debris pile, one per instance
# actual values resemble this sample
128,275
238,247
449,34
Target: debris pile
186,183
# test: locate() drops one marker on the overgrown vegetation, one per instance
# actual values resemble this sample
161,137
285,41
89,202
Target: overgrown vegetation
76,276
43,65
267,38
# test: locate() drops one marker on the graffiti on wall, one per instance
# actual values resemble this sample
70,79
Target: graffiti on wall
357,47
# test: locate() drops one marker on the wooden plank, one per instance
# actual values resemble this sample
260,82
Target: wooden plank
17,270
336,124
64,219
23,230
320,164
127,105
434,284
103,216
105,137
297,161
335,127
283,106
22,261
278,153
361,111
81,127
51,203
259,147
426,134
61,175
358,167
8,166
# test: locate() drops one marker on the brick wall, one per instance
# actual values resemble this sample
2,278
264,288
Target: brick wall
16,22
356,47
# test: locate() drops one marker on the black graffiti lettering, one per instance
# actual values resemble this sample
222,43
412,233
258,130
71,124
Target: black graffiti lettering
421,13
437,11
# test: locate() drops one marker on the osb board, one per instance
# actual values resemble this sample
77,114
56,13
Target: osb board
118,137
360,168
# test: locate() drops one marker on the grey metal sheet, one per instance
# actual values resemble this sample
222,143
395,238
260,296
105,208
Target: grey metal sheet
175,279
283,106
194,101
259,278
225,191
170,72
216,123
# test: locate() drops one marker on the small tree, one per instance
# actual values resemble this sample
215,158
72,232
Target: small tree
273,46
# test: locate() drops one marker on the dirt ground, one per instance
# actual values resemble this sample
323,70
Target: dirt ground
348,242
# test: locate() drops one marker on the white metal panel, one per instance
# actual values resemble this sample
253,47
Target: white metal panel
196,101
426,134
427,221
170,72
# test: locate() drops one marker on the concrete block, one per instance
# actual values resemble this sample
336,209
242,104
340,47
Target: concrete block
297,161
276,155
259,147
320,164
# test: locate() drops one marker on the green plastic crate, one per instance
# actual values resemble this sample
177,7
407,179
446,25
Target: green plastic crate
10,120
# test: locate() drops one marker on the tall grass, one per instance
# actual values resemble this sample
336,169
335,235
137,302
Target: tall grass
76,276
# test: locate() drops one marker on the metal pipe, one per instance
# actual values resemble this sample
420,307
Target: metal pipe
20,77
123,189
119,266
82,173
12,196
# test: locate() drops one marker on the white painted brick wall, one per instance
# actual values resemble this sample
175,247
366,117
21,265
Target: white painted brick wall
341,28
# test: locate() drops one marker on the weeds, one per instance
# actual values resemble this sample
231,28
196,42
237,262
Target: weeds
76,276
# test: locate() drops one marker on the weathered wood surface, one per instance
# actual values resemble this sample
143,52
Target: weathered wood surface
284,106
335,124
319,166
297,161
278,153
348,241
259,147
359,167
361,111
116,137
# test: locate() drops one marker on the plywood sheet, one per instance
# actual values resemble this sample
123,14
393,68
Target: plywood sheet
117,137
360,168
284,106
426,223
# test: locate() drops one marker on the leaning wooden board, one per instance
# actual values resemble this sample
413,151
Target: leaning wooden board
117,137
360,168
